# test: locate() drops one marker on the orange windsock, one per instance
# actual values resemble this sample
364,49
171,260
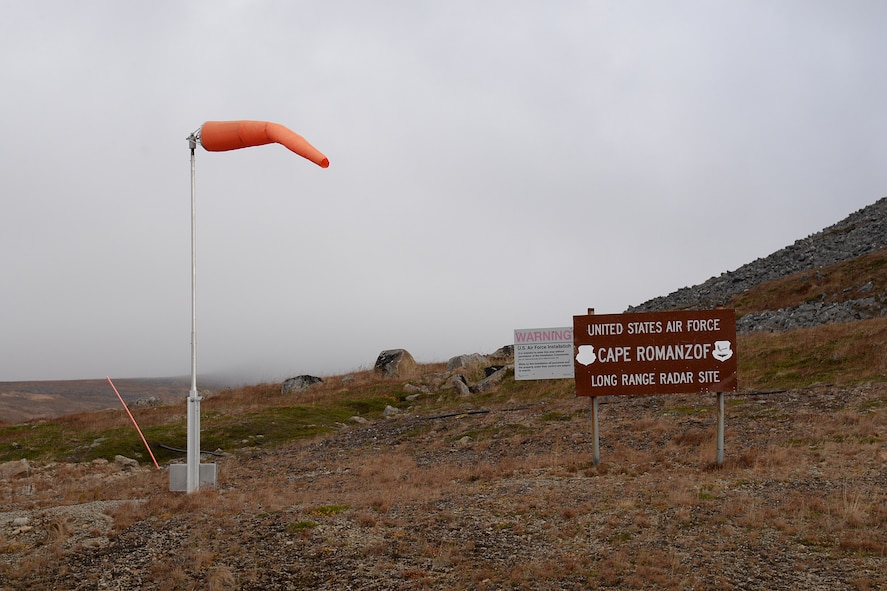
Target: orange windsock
220,136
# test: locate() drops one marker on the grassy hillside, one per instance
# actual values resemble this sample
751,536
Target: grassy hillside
846,354
840,354
496,490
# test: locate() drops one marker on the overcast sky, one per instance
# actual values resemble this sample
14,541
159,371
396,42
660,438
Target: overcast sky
494,165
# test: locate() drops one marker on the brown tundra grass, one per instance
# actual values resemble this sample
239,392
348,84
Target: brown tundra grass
505,499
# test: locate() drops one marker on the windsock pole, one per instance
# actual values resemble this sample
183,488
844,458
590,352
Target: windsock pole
192,481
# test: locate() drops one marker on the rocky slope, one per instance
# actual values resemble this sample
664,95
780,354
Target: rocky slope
862,232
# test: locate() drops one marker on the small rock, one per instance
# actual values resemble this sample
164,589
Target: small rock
358,420
458,384
125,462
390,411
148,402
488,371
14,468
413,389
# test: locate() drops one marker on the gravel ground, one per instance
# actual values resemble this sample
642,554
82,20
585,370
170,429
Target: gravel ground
503,497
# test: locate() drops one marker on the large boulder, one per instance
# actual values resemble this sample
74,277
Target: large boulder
468,362
395,363
299,384
503,352
492,380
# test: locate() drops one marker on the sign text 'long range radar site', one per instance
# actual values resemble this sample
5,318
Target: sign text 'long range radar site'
655,353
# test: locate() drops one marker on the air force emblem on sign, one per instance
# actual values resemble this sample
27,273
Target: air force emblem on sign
722,351
586,355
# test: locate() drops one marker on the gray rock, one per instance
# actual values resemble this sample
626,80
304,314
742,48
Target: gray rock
395,363
457,383
125,462
488,371
492,380
148,402
14,468
413,389
435,380
504,352
299,383
466,362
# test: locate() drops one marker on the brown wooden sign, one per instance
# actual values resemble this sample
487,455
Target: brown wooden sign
655,352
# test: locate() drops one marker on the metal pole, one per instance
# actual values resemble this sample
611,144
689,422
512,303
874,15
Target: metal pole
193,451
720,433
595,441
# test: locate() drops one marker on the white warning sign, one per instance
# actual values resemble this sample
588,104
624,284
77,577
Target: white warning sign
543,353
